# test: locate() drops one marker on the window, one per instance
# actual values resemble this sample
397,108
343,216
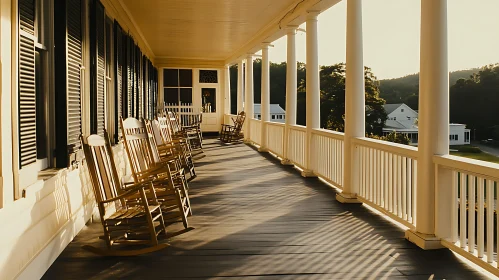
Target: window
394,118
273,117
208,76
209,99
177,86
456,137
408,118
402,110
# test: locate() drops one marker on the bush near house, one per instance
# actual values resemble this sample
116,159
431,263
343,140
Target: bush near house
394,137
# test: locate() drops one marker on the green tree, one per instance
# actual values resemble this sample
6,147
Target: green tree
332,90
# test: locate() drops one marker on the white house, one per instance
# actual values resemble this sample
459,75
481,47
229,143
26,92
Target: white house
403,119
277,114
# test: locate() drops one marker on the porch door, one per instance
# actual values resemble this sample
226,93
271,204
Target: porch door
210,104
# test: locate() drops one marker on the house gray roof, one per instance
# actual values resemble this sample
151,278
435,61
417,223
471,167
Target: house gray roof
389,108
274,109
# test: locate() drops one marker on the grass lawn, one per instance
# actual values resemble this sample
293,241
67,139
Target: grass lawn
480,156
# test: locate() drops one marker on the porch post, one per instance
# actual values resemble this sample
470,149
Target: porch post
248,97
313,90
433,122
354,100
291,88
227,102
265,97
240,86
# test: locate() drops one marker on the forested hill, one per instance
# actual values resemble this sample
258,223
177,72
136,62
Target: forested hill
404,89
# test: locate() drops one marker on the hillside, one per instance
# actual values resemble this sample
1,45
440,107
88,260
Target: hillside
404,89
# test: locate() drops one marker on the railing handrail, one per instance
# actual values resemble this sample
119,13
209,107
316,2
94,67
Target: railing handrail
399,149
329,133
274,123
475,167
298,127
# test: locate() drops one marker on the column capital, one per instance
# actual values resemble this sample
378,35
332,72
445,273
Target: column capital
266,45
291,29
312,14
249,56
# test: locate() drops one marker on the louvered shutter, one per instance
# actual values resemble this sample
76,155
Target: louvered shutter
130,70
98,71
26,83
118,84
68,28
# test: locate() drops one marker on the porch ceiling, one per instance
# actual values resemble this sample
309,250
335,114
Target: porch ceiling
202,29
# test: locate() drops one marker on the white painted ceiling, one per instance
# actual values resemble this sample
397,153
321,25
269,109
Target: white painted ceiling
203,29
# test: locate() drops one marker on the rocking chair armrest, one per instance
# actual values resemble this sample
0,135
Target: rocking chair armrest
129,191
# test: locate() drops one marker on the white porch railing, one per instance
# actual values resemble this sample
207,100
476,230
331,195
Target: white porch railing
387,178
275,138
255,130
296,145
328,155
473,206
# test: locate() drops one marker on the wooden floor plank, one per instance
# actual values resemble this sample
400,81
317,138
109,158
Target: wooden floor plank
257,219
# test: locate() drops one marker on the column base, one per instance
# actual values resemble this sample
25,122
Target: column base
347,198
424,241
247,141
286,162
308,173
263,150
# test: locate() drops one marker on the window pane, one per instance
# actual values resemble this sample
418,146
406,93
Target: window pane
170,78
186,95
209,99
171,95
185,76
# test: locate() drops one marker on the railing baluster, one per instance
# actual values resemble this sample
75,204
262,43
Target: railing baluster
462,210
409,190
490,220
454,209
471,213
480,222
399,186
404,187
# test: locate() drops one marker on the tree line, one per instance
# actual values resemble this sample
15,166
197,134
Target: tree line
332,94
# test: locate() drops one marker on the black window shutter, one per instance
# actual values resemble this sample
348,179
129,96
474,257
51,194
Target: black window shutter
130,80
68,27
26,83
119,79
97,71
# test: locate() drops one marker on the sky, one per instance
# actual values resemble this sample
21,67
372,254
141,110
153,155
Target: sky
391,30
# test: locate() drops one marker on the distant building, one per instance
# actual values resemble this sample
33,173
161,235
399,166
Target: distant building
402,119
277,114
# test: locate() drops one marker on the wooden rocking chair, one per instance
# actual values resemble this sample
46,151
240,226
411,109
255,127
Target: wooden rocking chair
180,134
136,219
146,165
177,146
231,133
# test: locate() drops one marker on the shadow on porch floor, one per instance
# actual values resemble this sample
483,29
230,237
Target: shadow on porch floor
257,219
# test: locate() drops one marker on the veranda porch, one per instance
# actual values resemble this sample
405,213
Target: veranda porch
257,219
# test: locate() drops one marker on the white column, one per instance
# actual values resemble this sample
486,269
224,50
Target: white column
433,119
265,96
227,102
313,89
354,100
248,96
240,86
291,88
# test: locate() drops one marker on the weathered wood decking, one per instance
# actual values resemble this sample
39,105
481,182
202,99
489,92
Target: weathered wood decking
257,219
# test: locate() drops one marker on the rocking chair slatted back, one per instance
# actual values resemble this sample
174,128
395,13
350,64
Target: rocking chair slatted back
101,167
164,129
137,143
175,125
